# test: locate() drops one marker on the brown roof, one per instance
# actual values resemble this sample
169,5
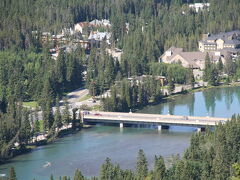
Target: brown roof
174,50
193,58
197,55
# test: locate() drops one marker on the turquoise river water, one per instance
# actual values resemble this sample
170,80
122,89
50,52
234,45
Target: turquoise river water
88,149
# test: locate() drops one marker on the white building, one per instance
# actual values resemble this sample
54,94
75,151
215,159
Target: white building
100,36
199,6
103,22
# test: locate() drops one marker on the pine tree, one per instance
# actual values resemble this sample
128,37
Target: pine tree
106,170
192,79
37,126
66,114
58,118
220,65
78,175
208,68
230,66
142,166
159,168
171,85
51,178
12,174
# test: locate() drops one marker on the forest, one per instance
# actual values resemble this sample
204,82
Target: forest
27,73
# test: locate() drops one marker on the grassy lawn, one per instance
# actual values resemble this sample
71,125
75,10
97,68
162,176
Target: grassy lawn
97,108
85,98
33,104
41,125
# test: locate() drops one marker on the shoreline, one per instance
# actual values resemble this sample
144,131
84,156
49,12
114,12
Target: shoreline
203,88
31,147
185,92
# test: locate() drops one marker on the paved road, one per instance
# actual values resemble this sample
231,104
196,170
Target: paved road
76,95
74,98
114,117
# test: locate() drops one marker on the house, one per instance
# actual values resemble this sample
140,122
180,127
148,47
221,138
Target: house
115,53
99,23
96,38
79,27
195,59
140,79
227,40
199,6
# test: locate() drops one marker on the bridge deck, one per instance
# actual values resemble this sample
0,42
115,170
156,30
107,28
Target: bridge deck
116,117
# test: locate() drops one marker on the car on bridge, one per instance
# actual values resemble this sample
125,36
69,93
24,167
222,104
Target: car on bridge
98,114
86,112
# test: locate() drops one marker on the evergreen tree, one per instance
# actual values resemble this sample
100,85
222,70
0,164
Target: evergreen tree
58,118
65,114
51,178
159,168
106,170
78,175
230,67
12,174
192,79
142,166
37,126
171,85
208,68
220,65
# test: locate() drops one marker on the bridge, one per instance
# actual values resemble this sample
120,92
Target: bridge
160,121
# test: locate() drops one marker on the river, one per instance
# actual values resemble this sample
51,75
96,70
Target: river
88,149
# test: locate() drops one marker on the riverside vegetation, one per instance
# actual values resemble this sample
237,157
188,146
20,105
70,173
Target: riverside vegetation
212,155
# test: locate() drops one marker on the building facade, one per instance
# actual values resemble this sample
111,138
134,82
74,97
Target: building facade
228,40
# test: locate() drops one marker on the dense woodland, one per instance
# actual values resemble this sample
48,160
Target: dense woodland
28,73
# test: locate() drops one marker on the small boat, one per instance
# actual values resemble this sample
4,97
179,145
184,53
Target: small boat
47,164
2,175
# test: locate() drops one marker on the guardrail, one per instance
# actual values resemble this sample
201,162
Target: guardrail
115,117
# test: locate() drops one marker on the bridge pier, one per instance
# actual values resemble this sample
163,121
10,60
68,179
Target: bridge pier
160,127
200,129
121,125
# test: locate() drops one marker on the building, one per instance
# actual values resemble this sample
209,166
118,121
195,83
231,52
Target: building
115,53
140,79
79,27
199,6
195,59
216,42
99,23
96,38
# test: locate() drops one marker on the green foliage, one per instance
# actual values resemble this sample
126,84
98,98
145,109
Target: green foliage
236,171
12,174
211,72
127,95
78,175
142,166
101,72
176,72
159,170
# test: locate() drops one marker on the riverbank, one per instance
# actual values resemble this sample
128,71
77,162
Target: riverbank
202,88
16,151
65,133
185,92
88,149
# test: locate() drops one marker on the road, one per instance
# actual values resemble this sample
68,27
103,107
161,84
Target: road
74,98
114,117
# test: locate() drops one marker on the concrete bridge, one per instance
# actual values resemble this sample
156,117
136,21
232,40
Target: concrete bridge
161,121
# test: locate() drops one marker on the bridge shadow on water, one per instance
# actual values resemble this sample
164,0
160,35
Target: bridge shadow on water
167,129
